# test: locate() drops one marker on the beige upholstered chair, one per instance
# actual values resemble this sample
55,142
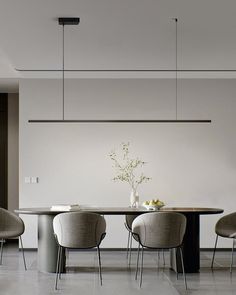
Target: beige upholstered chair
128,224
226,228
159,230
11,226
78,230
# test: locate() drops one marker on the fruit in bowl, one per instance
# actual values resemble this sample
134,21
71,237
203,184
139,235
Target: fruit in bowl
153,204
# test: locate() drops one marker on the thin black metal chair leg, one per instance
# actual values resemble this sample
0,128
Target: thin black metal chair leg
177,273
127,250
57,268
130,249
2,241
136,273
60,262
141,270
182,262
213,257
232,257
99,264
23,252
158,258
163,256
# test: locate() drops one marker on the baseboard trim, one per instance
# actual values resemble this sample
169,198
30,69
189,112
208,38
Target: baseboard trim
135,249
218,249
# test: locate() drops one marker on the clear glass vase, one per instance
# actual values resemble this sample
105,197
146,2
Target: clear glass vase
134,199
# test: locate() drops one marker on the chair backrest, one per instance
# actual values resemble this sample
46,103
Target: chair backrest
79,229
160,229
226,226
129,220
10,222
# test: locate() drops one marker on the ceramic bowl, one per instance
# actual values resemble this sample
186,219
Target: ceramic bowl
153,207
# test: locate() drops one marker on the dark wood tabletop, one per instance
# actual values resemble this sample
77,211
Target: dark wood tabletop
121,210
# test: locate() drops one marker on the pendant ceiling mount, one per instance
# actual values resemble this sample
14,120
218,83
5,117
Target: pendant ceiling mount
68,21
63,21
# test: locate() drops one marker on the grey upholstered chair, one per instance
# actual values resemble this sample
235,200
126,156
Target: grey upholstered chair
159,230
11,226
128,224
78,230
226,228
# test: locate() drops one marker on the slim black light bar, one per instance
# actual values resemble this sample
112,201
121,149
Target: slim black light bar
75,21
119,121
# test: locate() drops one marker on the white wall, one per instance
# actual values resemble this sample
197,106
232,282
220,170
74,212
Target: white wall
13,151
190,164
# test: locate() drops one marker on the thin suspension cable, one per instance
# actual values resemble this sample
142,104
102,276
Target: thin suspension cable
63,72
176,68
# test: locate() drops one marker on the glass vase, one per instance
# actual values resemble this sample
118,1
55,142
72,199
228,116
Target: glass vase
134,199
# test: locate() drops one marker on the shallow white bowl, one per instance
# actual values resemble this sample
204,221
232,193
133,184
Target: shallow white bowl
153,207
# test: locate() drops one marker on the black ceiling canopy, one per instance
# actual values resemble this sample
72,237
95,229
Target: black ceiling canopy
68,20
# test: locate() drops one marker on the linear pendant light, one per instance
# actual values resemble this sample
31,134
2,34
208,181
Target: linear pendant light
75,21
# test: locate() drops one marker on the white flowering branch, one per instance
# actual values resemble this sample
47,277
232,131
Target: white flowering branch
126,168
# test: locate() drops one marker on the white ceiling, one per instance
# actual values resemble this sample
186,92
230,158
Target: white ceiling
116,34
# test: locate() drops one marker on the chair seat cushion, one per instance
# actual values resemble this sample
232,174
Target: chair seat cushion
10,234
227,232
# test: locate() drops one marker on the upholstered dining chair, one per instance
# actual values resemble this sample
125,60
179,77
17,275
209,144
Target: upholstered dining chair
226,228
129,218
159,230
11,226
78,230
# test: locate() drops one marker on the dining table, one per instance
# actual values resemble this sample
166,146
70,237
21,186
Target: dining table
47,245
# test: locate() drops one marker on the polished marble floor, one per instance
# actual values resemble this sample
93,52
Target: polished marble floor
118,278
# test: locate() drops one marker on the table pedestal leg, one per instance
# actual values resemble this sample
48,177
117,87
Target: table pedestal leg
47,245
191,247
